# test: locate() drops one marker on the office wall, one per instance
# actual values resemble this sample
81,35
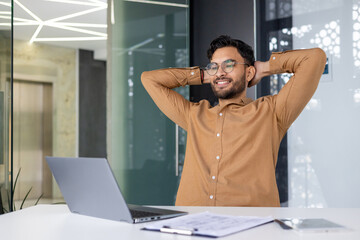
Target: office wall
210,19
54,66
324,149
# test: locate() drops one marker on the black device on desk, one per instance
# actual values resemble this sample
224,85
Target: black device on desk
304,225
90,188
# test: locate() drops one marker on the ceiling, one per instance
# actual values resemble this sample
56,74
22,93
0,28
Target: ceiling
79,24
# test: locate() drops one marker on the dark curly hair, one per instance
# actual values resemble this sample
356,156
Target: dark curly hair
226,41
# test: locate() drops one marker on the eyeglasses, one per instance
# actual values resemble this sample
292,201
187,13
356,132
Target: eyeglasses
227,66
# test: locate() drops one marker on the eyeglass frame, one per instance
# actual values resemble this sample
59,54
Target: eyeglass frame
222,66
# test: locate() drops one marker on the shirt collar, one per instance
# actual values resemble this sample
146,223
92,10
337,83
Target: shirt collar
240,100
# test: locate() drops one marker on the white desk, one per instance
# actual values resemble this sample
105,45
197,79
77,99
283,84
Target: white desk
56,222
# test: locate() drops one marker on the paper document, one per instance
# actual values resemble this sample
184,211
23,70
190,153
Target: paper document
207,224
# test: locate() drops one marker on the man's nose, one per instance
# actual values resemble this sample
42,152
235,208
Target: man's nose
220,73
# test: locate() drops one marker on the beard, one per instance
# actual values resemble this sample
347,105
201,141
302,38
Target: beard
237,88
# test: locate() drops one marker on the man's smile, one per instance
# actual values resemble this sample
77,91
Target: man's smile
223,82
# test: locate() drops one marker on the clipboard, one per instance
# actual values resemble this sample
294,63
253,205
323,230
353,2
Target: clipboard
207,224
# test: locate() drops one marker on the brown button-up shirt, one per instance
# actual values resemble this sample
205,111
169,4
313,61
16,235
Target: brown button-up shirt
232,148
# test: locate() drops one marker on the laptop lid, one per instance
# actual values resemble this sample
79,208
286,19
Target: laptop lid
90,188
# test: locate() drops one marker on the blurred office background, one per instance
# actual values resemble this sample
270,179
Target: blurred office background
70,86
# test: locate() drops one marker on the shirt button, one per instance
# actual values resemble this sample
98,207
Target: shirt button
218,134
274,58
192,73
217,157
211,196
213,177
220,114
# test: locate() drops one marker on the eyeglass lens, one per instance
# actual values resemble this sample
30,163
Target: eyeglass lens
227,66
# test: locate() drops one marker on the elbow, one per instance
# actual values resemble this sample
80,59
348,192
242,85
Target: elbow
317,60
321,56
144,77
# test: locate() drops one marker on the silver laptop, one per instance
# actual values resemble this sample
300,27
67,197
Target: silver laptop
90,188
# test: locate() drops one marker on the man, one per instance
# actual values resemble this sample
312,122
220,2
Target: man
232,148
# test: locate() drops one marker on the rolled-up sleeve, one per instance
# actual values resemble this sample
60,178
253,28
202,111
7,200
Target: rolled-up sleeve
159,85
307,66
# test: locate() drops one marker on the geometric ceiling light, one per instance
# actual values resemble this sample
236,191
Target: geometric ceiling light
58,23
160,3
71,25
5,13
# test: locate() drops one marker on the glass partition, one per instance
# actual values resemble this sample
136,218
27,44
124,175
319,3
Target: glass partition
144,146
324,148
323,143
5,105
47,74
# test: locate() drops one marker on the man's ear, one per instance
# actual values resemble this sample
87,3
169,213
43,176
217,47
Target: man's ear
250,73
